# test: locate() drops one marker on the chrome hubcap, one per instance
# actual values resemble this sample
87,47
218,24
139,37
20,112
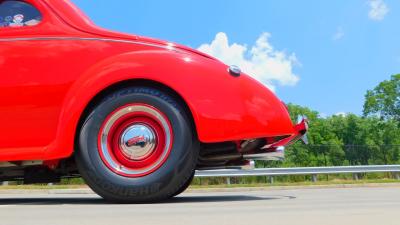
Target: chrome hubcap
135,140
138,142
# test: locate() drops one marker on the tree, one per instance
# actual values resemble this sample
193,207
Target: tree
384,100
325,147
345,140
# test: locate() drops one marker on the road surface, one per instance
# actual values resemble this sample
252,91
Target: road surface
336,206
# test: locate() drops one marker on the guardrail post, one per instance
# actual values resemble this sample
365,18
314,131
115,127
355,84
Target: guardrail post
355,176
271,179
396,175
228,181
4,183
314,178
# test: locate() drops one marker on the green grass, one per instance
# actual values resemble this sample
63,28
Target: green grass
251,185
304,183
41,187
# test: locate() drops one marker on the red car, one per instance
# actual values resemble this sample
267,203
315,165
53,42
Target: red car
133,116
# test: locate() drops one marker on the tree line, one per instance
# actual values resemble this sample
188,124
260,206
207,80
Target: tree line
371,138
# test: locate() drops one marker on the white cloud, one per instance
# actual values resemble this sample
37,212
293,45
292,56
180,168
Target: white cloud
339,34
378,9
322,115
343,114
262,61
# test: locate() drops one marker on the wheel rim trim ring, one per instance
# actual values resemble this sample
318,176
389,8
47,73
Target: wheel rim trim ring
106,151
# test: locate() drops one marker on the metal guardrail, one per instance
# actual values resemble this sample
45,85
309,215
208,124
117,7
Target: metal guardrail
313,171
300,171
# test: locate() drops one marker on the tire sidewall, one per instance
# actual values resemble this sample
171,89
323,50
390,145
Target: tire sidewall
158,184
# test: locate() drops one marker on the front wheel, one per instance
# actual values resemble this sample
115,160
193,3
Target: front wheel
137,145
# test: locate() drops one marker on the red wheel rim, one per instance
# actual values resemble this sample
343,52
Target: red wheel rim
135,140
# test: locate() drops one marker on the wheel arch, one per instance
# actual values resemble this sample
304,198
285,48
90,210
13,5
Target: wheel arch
139,82
64,147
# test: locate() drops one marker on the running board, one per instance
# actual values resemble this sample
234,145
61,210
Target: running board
20,163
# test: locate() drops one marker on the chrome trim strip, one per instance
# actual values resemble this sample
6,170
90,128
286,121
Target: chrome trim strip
168,47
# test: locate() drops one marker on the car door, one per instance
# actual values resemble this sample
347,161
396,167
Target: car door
29,94
37,67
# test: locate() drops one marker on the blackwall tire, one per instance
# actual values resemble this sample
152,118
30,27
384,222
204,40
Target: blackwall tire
185,186
137,145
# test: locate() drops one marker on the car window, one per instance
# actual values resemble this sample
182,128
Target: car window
17,14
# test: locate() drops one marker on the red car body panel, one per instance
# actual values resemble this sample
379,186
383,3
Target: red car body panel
49,73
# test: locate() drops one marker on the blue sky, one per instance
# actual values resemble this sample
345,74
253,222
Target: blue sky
324,54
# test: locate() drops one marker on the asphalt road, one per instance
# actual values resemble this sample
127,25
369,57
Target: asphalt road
338,206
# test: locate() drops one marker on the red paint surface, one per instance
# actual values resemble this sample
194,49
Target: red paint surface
49,77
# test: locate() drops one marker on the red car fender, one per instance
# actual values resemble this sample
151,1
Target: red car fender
223,107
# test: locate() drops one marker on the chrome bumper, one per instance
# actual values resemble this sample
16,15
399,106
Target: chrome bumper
277,155
276,151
